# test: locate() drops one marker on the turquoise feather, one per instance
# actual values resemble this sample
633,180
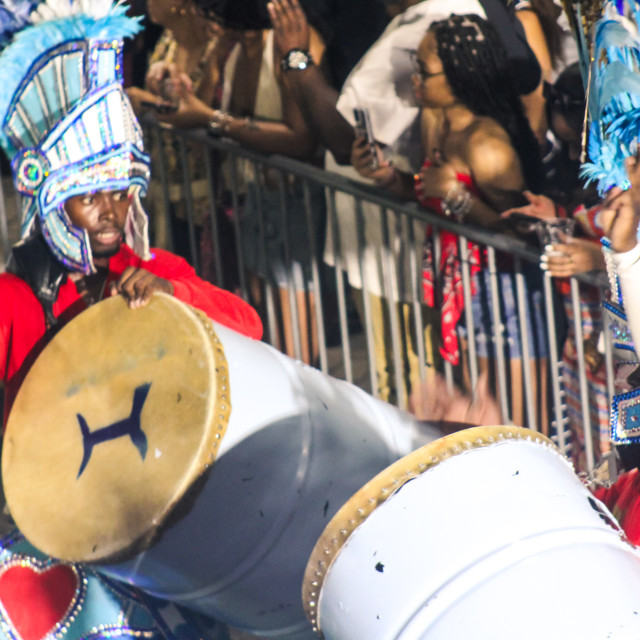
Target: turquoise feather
31,43
614,99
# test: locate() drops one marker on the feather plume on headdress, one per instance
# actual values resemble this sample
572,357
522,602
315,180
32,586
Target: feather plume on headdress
613,94
582,15
53,23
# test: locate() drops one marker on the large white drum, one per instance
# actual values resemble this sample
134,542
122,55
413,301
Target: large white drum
486,534
190,461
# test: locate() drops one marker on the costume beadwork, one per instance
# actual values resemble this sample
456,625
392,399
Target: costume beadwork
67,124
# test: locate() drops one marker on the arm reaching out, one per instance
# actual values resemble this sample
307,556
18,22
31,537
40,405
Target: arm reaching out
539,207
309,87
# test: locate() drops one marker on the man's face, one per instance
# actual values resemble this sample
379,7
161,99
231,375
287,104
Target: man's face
102,214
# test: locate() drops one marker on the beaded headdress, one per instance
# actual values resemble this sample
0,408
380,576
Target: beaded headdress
65,120
609,48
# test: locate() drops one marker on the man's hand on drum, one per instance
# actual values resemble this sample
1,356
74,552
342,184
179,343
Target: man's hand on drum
137,285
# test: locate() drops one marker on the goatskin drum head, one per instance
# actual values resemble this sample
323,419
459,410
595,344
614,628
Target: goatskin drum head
117,419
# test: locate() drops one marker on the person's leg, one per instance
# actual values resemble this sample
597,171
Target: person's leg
305,314
306,306
383,356
430,324
537,363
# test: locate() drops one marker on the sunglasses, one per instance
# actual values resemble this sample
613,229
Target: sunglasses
419,68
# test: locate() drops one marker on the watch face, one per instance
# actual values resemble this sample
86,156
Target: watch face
297,59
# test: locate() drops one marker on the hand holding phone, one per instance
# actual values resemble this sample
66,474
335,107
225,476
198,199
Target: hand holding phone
363,129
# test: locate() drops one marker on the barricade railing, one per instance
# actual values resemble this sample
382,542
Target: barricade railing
262,235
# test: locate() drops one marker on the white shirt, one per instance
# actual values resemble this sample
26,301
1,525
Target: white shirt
381,81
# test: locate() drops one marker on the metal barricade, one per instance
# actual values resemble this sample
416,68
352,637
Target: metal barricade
262,235
372,326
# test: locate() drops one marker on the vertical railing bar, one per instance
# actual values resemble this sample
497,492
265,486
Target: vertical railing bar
582,374
315,277
342,304
158,133
416,292
235,204
437,256
389,280
365,298
554,363
288,263
213,216
524,321
188,196
272,321
498,336
465,269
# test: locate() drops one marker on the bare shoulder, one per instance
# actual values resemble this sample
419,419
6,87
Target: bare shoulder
490,153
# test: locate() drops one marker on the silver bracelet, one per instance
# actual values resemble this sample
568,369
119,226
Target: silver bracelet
219,123
457,203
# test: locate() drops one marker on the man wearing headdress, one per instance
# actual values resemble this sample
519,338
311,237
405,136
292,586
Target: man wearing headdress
78,163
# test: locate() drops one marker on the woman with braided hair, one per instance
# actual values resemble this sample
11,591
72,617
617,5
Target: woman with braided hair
480,155
462,70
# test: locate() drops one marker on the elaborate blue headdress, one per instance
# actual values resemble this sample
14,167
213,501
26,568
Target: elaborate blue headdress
609,46
65,120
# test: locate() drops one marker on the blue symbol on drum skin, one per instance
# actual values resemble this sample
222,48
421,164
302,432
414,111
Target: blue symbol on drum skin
130,426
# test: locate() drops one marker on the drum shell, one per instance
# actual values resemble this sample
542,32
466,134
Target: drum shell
496,542
297,446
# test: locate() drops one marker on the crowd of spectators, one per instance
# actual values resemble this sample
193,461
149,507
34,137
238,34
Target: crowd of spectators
476,109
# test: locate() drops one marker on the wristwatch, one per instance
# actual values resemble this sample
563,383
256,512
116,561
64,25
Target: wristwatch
296,60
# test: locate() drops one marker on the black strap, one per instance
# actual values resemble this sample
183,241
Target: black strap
32,261
525,68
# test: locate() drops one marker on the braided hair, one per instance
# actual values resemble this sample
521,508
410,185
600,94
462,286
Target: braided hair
475,64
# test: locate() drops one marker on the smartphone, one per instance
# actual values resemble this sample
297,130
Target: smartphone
363,128
163,108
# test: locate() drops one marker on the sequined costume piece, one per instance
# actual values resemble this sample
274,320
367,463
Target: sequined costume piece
73,602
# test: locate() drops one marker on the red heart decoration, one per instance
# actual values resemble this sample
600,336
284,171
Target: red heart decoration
36,600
